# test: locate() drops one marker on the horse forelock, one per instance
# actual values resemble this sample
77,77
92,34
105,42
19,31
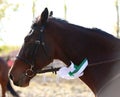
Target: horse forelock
36,20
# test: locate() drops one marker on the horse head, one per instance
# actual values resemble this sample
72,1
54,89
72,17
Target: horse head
36,52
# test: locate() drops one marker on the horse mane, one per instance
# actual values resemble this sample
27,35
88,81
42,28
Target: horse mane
102,32
84,29
65,24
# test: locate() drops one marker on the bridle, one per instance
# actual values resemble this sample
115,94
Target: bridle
38,42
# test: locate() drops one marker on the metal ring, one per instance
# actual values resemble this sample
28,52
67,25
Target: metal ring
30,72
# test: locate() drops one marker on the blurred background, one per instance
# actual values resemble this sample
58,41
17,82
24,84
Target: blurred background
15,21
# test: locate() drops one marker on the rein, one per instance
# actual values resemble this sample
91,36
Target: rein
54,70
103,62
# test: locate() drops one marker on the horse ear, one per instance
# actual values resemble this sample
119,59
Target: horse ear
51,13
44,16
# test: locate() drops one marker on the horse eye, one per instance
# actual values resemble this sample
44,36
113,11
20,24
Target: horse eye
25,39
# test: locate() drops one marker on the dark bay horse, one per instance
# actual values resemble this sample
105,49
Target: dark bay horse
4,80
51,38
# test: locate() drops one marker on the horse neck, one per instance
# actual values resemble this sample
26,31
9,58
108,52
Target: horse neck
73,44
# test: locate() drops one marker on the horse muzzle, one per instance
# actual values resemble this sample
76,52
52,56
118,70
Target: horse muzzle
21,81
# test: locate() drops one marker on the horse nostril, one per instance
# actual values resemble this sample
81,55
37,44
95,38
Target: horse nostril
11,77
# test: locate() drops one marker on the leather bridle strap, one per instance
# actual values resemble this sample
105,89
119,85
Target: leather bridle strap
104,62
39,42
92,64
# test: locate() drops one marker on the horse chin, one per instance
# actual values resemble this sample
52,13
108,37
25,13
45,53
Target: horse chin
23,84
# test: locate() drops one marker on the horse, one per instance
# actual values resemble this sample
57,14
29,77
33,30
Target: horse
4,79
53,38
